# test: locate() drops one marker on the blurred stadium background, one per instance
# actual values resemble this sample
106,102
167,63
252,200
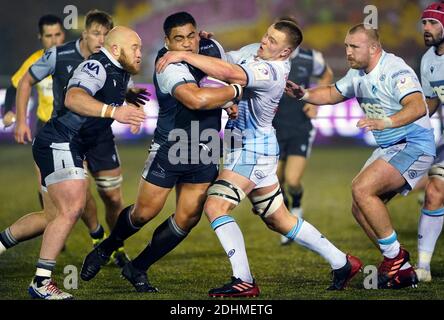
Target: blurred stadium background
340,150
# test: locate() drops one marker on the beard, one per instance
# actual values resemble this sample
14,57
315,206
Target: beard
432,41
127,65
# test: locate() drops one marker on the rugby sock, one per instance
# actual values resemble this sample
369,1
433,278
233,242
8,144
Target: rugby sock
296,194
44,270
7,240
430,226
389,246
98,233
123,229
230,236
165,238
308,236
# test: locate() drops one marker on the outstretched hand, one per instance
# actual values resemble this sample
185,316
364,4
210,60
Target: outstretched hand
293,90
137,96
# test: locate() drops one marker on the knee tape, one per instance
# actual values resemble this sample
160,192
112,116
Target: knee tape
227,191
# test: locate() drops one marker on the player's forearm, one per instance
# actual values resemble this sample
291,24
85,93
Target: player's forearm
23,93
79,101
196,98
323,95
217,68
413,108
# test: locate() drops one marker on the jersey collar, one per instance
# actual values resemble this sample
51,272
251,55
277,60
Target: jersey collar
110,57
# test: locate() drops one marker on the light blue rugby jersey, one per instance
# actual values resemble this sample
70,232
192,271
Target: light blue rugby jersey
261,96
379,94
432,74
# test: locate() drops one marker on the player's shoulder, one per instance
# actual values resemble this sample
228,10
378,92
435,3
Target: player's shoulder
92,68
210,47
393,64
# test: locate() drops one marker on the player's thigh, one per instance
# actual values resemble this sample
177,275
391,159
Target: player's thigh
190,199
379,178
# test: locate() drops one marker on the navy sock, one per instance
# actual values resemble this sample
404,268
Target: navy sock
165,238
98,233
123,229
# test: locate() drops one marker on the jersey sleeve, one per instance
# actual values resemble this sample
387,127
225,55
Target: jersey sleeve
403,81
260,75
173,76
45,66
425,82
345,85
90,75
319,64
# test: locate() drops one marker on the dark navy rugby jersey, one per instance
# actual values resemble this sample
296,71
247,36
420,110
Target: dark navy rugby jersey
172,113
59,62
103,78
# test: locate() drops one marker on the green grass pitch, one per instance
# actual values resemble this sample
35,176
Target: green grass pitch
199,263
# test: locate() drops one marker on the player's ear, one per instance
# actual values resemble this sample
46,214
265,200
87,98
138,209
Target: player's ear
286,52
167,42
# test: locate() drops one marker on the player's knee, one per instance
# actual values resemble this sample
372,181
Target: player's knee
142,215
72,214
434,194
222,190
187,221
267,204
212,207
359,190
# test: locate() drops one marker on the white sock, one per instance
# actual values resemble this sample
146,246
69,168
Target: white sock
231,238
390,245
430,226
2,248
308,236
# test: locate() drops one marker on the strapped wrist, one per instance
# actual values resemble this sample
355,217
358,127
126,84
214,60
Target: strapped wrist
237,90
388,122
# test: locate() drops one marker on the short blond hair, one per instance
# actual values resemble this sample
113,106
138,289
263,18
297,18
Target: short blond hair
372,34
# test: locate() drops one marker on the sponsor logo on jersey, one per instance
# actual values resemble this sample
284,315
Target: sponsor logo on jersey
62,53
259,174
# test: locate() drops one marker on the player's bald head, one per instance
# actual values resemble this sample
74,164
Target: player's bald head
126,47
119,36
